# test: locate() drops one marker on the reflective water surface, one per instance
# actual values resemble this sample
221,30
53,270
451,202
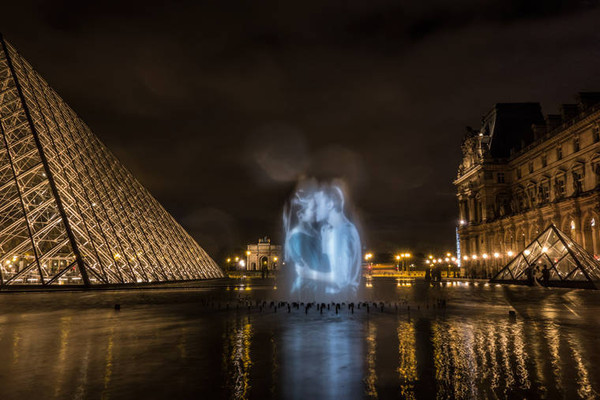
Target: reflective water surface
217,343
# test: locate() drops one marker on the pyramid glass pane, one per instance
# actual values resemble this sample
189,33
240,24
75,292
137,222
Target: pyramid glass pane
566,266
533,251
556,252
70,213
519,269
577,275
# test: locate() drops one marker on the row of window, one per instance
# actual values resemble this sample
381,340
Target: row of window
559,153
541,194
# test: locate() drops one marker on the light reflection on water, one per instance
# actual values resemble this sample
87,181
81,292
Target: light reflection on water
169,344
237,361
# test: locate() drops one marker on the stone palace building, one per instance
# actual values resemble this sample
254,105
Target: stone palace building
523,171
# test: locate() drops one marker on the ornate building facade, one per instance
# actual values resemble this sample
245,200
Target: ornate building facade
263,255
523,171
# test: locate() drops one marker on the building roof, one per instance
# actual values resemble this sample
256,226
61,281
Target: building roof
509,126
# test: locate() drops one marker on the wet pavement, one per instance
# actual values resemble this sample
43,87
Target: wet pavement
227,340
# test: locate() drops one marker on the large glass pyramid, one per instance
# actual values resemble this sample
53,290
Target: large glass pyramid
570,264
70,213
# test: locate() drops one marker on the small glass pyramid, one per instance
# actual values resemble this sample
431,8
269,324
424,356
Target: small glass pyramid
570,265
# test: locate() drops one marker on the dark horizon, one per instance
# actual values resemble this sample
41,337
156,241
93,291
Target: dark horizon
217,109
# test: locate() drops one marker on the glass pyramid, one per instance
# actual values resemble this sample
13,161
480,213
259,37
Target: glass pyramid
569,263
70,213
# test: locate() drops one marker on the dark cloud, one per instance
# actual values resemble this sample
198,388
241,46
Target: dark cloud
217,107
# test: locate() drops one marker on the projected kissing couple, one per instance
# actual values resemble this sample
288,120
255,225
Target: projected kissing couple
322,247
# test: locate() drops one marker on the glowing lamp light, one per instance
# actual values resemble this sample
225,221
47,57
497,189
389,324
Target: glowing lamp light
544,249
509,253
465,258
397,257
237,259
496,255
446,259
527,252
242,263
248,253
426,261
430,256
474,256
229,260
484,256
462,222
275,259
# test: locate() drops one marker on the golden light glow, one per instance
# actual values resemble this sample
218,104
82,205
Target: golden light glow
509,253
248,253
275,259
485,256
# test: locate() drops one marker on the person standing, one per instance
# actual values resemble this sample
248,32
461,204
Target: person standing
545,275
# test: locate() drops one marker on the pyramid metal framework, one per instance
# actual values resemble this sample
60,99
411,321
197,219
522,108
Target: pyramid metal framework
570,264
70,213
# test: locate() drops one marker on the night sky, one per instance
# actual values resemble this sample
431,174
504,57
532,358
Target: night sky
219,106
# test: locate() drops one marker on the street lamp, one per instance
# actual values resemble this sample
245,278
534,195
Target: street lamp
368,257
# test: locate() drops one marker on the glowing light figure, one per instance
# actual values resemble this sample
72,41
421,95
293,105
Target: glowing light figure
322,246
